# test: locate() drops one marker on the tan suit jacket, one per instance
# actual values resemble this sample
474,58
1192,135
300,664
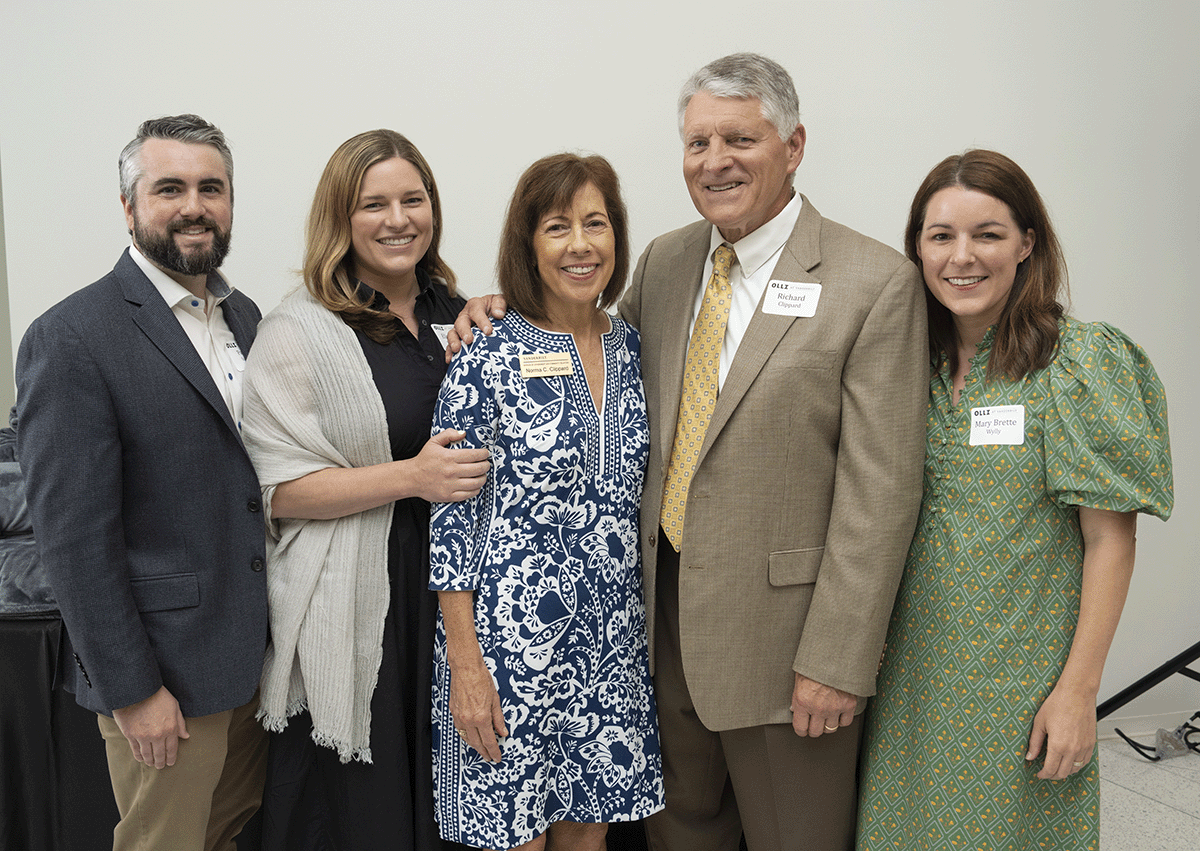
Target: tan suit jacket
809,480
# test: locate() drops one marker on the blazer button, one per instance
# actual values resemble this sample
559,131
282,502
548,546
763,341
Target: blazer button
256,565
254,505
82,670
653,539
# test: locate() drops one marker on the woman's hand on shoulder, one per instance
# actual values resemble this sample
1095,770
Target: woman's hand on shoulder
443,473
478,313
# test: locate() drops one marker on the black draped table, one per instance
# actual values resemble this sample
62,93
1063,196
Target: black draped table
54,788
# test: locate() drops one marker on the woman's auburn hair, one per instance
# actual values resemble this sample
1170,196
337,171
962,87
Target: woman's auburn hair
1026,334
328,253
548,186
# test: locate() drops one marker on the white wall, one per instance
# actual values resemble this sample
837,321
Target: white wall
1097,100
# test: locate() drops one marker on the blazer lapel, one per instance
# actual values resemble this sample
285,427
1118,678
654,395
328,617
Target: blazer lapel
675,326
158,323
800,254
240,322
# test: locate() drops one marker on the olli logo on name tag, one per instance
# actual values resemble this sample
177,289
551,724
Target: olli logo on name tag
791,298
442,332
235,355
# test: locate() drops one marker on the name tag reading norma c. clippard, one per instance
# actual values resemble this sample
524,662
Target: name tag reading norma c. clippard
545,364
1000,424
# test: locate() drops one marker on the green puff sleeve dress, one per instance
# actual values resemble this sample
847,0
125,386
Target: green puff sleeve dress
988,604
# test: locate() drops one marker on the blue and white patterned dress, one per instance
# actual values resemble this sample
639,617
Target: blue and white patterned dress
550,547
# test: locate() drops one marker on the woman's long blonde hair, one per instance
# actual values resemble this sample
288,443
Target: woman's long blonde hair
328,256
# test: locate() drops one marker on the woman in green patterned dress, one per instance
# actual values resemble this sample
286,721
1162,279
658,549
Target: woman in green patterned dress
1046,436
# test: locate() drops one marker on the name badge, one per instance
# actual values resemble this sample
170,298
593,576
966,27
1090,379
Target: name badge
791,298
545,365
442,332
1003,424
235,355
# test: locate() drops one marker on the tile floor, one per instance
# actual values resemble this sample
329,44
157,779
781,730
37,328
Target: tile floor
1148,806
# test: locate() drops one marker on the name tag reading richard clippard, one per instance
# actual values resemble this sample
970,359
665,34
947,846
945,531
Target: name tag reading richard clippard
545,364
791,298
1001,424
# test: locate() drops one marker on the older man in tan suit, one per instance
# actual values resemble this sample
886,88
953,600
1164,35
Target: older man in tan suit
786,371
778,510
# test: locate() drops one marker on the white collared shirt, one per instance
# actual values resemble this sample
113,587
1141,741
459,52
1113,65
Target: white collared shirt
204,323
757,253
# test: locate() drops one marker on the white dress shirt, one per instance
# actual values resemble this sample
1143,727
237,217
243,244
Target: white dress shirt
757,253
204,323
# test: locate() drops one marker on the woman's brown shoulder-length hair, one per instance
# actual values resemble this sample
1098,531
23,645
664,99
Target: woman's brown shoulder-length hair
1027,332
328,257
547,186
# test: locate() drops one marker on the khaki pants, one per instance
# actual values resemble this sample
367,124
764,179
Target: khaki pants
785,792
202,801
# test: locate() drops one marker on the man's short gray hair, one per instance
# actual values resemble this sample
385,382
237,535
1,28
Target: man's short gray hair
182,128
748,75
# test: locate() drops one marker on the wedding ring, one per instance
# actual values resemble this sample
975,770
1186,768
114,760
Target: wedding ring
829,729
1078,764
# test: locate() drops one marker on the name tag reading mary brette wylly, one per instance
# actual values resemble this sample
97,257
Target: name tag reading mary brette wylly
998,425
545,364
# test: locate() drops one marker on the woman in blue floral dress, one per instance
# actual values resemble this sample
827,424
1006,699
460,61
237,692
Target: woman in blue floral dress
544,720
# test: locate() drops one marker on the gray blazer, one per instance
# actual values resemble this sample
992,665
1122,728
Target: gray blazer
145,506
804,501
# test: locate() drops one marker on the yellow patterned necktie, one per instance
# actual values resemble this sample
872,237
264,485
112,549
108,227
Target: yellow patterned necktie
700,379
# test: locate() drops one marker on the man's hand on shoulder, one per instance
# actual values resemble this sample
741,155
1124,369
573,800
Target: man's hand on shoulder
153,727
477,313
819,709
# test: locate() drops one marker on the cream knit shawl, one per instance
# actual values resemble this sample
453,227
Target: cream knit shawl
311,403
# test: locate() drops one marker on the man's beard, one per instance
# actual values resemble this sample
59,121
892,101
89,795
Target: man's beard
159,247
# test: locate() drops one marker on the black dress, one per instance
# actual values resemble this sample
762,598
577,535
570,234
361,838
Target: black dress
312,801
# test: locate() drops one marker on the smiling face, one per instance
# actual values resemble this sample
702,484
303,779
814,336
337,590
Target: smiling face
182,209
738,171
575,249
391,225
969,246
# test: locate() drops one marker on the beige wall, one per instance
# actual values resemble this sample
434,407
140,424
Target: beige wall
7,391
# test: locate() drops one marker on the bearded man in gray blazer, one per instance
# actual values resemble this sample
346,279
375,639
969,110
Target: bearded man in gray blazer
786,371
145,506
